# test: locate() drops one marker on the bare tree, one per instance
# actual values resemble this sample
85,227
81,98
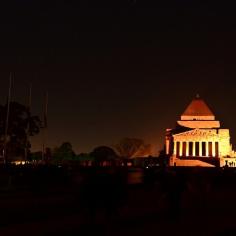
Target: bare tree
132,147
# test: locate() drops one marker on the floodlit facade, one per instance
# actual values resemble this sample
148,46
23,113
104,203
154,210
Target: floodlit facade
198,139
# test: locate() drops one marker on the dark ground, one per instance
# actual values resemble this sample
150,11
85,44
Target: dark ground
56,201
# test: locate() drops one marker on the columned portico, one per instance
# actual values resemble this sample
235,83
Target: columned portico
188,148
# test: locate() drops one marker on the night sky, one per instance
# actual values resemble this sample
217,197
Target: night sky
118,68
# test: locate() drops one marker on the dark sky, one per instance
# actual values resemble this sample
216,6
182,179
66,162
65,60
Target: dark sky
119,68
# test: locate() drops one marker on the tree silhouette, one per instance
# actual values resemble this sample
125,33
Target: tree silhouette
35,156
85,159
133,147
163,158
64,153
21,125
103,153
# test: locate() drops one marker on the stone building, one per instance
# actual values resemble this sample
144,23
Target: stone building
198,139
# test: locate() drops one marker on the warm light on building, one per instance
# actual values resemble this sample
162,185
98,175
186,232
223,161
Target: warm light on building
19,162
198,139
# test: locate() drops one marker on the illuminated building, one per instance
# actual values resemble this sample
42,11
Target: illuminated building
198,139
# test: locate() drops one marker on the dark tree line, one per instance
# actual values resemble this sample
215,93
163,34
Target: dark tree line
22,125
126,149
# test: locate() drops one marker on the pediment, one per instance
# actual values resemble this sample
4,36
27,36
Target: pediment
198,133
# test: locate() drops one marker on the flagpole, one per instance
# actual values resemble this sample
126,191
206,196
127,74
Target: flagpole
28,124
7,120
45,125
30,96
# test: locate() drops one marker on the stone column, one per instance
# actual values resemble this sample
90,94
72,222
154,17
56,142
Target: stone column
187,149
207,149
194,149
167,146
175,147
200,149
213,149
180,149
